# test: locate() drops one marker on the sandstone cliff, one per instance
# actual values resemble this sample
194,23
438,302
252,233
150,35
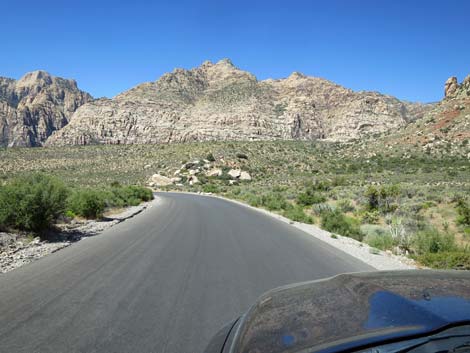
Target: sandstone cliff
35,106
221,102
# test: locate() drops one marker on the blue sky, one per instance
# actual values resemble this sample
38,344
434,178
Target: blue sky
403,48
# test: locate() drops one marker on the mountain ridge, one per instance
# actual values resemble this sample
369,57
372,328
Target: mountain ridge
214,101
218,101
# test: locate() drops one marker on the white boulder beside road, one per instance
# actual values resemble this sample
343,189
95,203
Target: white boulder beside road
160,180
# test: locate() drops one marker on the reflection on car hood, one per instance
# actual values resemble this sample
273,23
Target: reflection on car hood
354,310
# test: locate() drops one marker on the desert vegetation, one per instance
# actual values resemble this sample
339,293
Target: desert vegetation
35,202
396,198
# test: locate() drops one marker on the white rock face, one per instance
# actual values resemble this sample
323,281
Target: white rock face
221,102
35,106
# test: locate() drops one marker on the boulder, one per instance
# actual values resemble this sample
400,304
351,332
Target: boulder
245,176
214,172
193,180
160,180
234,173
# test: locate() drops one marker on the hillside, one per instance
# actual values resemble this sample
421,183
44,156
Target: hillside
221,102
444,130
35,106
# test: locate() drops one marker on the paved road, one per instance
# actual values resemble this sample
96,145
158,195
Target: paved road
163,281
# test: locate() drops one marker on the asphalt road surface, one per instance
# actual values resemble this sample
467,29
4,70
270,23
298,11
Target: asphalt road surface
163,281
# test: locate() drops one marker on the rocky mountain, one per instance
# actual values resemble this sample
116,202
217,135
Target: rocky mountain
443,130
35,106
221,102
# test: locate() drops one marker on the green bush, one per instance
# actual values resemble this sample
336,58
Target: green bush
318,209
382,198
380,241
88,203
210,157
123,196
274,201
463,210
211,188
91,203
457,260
337,222
370,217
433,241
32,203
345,205
253,200
319,185
297,214
309,197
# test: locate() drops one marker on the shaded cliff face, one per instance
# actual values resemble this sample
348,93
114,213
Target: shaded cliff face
35,106
221,102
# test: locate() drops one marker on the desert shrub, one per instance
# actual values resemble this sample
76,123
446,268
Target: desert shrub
433,241
336,222
378,238
241,155
339,181
463,210
210,157
457,260
345,205
212,188
253,200
383,198
123,196
309,197
319,185
32,202
373,229
370,217
318,209
115,184
297,214
372,194
88,203
274,201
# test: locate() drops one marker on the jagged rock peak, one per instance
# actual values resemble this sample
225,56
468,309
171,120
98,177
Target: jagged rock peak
226,62
452,89
35,106
450,86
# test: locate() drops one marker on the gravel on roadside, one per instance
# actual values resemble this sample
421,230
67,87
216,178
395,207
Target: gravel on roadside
17,250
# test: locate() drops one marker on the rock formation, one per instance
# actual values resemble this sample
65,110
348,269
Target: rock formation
35,106
221,102
450,86
452,89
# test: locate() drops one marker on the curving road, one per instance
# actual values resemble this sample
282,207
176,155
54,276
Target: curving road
163,281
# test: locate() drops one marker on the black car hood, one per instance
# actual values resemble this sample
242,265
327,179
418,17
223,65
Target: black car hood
354,310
